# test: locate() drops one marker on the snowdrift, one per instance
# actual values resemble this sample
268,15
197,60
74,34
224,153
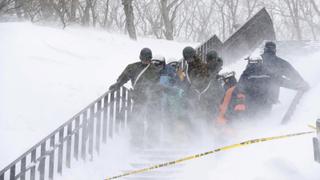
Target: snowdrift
48,74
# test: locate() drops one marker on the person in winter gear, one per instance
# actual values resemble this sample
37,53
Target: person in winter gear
193,75
135,71
189,53
192,70
233,103
213,93
262,79
171,99
214,62
144,77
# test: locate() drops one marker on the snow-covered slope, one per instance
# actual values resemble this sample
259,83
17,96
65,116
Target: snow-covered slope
49,74
286,159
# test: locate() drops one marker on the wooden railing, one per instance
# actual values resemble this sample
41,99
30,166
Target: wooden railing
80,137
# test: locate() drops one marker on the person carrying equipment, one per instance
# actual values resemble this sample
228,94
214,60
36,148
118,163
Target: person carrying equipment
262,79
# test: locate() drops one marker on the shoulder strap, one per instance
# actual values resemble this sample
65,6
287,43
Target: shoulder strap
140,74
187,73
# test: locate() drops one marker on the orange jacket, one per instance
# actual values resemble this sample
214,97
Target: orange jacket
239,105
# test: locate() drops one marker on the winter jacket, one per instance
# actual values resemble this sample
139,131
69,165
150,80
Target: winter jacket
144,79
261,82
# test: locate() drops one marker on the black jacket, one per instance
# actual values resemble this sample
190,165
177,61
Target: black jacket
143,77
261,82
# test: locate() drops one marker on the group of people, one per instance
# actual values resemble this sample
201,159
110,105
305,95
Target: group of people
182,94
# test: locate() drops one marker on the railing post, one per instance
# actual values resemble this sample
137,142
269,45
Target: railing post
105,118
129,106
13,172
23,168
60,151
33,168
91,128
76,138
123,107
42,163
316,144
84,135
69,141
98,126
2,176
117,113
111,117
51,157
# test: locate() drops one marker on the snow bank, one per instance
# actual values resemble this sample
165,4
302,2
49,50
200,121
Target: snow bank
47,75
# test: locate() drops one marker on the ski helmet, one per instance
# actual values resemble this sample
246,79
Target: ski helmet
188,53
270,47
145,54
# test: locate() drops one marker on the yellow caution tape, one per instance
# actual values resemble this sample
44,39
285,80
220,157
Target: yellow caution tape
245,143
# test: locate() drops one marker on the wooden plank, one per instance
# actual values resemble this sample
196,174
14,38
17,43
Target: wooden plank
84,136
76,138
23,168
105,118
98,126
51,157
33,161
69,141
60,151
42,163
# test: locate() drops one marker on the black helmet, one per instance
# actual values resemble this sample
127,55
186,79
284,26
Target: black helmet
145,54
270,47
188,52
211,55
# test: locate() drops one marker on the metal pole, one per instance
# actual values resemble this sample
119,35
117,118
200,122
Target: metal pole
316,144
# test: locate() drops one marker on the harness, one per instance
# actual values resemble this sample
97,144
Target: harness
202,92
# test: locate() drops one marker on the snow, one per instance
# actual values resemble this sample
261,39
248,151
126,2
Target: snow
48,74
